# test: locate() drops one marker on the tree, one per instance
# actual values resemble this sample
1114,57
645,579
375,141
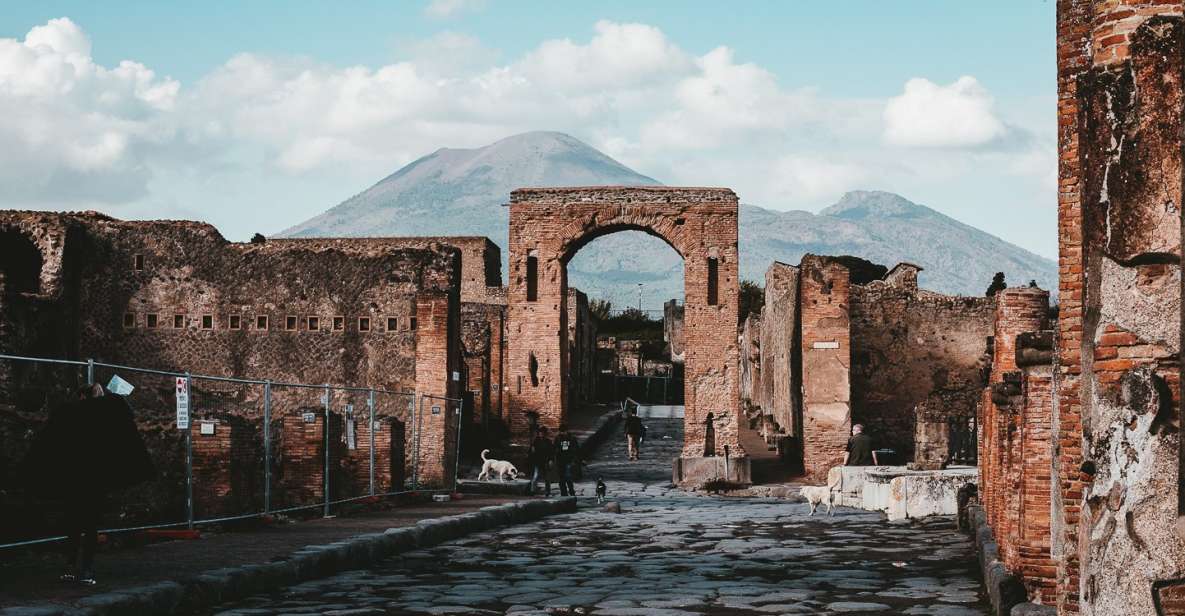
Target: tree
997,285
258,238
600,308
750,300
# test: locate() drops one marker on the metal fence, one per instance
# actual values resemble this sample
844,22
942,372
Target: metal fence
226,448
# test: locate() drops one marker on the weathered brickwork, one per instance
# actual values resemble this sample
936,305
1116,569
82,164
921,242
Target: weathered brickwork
672,329
177,296
824,290
548,226
582,350
909,344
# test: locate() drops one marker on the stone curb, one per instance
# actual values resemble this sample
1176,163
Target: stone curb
1007,594
209,588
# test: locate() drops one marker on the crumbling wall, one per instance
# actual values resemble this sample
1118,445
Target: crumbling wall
1130,107
672,329
780,393
908,344
582,349
177,296
824,289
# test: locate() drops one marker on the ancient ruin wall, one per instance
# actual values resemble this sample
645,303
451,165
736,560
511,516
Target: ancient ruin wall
177,296
1128,134
548,226
909,344
582,350
779,390
826,363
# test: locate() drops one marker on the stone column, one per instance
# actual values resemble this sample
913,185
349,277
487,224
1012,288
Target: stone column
826,364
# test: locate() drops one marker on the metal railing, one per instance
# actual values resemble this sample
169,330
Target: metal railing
246,430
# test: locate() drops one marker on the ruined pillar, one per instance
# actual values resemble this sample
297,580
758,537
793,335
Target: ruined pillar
1129,161
826,364
437,386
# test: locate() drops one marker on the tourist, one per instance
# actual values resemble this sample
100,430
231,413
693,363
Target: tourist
542,452
88,448
633,433
859,450
567,456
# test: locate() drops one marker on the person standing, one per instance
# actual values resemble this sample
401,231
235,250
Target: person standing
859,450
633,433
88,449
542,453
567,456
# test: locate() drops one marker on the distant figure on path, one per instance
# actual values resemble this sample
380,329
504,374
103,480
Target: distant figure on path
710,436
567,456
633,433
88,449
860,452
542,453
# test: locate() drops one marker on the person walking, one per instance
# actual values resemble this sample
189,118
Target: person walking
633,433
542,452
89,448
567,456
859,449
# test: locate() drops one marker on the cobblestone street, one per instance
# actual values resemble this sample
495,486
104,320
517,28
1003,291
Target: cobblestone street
667,554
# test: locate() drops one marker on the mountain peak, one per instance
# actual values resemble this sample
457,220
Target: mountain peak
857,204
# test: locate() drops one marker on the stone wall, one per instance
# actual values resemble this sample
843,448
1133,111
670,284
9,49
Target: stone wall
909,344
582,350
672,329
548,226
824,295
779,392
1116,459
177,296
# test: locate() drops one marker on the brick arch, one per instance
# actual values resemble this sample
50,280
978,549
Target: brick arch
548,226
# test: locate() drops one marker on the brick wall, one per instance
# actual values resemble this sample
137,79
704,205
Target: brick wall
826,363
437,359
909,344
1120,108
550,225
220,290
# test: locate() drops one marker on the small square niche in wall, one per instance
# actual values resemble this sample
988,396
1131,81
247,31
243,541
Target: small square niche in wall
235,321
314,323
207,321
261,323
363,324
339,324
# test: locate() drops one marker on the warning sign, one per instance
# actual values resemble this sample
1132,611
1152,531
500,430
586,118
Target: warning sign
182,404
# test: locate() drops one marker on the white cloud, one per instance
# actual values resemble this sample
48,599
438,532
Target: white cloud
443,9
75,131
959,115
262,130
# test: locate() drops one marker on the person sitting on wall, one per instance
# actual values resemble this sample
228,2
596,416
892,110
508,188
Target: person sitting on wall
860,452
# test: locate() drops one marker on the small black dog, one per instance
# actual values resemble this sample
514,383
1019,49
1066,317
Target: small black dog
602,489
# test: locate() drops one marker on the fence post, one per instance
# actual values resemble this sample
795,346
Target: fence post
370,403
267,446
188,458
457,463
415,443
90,372
325,434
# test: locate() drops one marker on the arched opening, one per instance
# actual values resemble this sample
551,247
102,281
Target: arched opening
618,283
20,261
699,226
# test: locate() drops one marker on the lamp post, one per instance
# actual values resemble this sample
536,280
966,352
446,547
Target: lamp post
639,297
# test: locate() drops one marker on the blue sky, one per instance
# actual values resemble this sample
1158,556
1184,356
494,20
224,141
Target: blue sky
258,115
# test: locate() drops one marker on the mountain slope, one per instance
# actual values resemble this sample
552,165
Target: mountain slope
461,192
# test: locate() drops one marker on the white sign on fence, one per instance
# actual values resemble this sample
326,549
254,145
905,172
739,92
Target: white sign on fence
182,404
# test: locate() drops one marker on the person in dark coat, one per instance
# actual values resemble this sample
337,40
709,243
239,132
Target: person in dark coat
542,453
633,434
89,448
567,456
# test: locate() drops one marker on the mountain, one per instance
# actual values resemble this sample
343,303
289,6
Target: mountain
462,192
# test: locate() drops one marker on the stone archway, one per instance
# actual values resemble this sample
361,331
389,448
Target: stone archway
549,225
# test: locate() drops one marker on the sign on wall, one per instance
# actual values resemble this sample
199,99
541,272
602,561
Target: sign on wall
182,404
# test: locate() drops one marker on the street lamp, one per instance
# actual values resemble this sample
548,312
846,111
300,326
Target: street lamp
639,297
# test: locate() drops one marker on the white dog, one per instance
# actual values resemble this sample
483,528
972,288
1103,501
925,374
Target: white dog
500,467
817,495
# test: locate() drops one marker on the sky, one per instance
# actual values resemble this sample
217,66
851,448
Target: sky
256,116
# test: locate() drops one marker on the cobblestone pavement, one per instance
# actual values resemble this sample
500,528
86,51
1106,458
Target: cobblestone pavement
667,554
